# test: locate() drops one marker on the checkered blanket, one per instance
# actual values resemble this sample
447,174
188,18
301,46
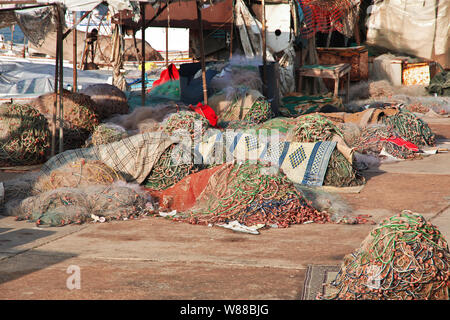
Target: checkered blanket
303,163
133,157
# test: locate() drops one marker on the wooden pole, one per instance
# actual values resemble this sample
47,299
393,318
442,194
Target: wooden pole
75,55
232,30
143,55
56,83
60,110
202,52
167,47
264,46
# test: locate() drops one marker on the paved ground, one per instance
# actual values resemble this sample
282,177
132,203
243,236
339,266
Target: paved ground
153,258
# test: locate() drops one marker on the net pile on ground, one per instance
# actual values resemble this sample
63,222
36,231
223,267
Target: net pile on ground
373,140
169,90
106,133
64,206
80,173
251,194
404,258
109,99
315,127
80,117
294,105
172,166
260,111
411,128
24,134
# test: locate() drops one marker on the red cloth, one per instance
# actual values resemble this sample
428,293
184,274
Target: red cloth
171,73
207,112
402,142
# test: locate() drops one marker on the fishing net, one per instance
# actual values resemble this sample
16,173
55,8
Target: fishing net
294,105
325,16
109,99
252,194
315,127
404,258
80,118
380,89
183,121
119,201
169,90
260,111
411,128
106,133
372,141
79,173
24,134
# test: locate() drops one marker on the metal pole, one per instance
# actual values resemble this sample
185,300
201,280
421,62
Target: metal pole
202,53
264,47
143,54
75,54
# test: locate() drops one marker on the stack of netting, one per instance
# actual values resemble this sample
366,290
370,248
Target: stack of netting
315,127
252,194
24,134
64,206
173,165
106,133
109,99
411,128
75,192
294,106
372,141
169,90
80,117
260,111
405,258
80,173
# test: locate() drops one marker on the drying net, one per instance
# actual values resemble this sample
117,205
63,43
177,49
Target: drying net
80,173
315,127
173,166
371,142
251,194
24,134
106,133
80,118
109,99
59,207
411,128
294,105
325,16
169,90
404,258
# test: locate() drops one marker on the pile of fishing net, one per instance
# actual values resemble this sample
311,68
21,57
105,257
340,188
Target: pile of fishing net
251,194
241,104
411,128
176,162
186,122
404,258
169,90
24,134
380,89
80,117
106,133
79,173
62,206
314,128
373,139
294,105
109,99
238,74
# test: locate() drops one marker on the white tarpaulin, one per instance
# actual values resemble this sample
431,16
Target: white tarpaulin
88,5
18,76
416,27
